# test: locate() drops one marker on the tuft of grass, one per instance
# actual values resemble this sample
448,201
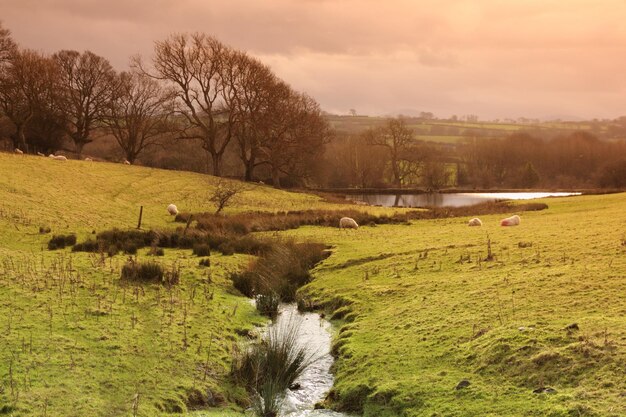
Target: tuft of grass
271,365
61,241
201,249
267,304
149,272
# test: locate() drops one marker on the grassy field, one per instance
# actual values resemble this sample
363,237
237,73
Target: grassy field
73,341
418,307
447,131
421,310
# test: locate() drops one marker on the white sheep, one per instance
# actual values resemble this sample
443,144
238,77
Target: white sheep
89,159
510,221
51,155
59,157
126,162
475,222
18,150
172,209
40,154
348,223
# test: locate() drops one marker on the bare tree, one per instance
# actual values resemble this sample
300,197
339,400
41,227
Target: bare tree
7,45
195,66
88,82
139,113
293,135
397,139
28,84
254,82
224,193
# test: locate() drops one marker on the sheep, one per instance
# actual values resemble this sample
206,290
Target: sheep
18,150
89,159
348,223
40,154
59,158
172,209
126,162
510,221
51,155
475,222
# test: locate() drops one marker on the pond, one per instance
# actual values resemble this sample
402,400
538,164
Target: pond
448,199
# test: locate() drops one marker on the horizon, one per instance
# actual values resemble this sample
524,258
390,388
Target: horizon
524,59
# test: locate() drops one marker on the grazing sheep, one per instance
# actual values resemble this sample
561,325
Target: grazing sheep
475,222
172,209
126,162
40,154
59,157
51,155
89,159
18,150
348,223
510,221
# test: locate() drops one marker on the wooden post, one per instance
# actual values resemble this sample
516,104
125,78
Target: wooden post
140,214
187,225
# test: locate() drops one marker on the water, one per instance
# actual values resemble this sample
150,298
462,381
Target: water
447,199
314,333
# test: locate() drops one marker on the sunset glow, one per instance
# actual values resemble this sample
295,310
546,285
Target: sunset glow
544,59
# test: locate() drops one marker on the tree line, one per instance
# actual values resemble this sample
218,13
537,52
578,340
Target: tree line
201,105
389,156
195,88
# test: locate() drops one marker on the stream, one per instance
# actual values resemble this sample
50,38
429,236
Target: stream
314,333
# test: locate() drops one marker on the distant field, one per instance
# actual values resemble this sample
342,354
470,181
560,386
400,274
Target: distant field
447,131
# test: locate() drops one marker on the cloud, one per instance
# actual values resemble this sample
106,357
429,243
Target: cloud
487,57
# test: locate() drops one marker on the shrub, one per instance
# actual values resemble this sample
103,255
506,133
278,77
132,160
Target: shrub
245,282
136,271
89,245
205,262
156,251
227,248
44,230
61,241
201,249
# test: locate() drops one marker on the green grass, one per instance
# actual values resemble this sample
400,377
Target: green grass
416,321
413,320
74,341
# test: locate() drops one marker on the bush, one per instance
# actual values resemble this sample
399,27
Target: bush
205,262
44,230
201,249
136,271
61,241
245,282
156,251
89,245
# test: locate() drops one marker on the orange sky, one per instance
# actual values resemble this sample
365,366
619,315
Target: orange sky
493,58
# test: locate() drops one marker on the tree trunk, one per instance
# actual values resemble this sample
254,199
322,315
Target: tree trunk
216,159
21,138
249,169
275,178
79,145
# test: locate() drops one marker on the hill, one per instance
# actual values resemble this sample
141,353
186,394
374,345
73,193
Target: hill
73,340
538,328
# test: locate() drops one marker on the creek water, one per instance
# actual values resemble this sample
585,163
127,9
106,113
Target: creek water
314,333
447,199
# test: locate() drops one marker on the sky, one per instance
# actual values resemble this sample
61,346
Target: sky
492,58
